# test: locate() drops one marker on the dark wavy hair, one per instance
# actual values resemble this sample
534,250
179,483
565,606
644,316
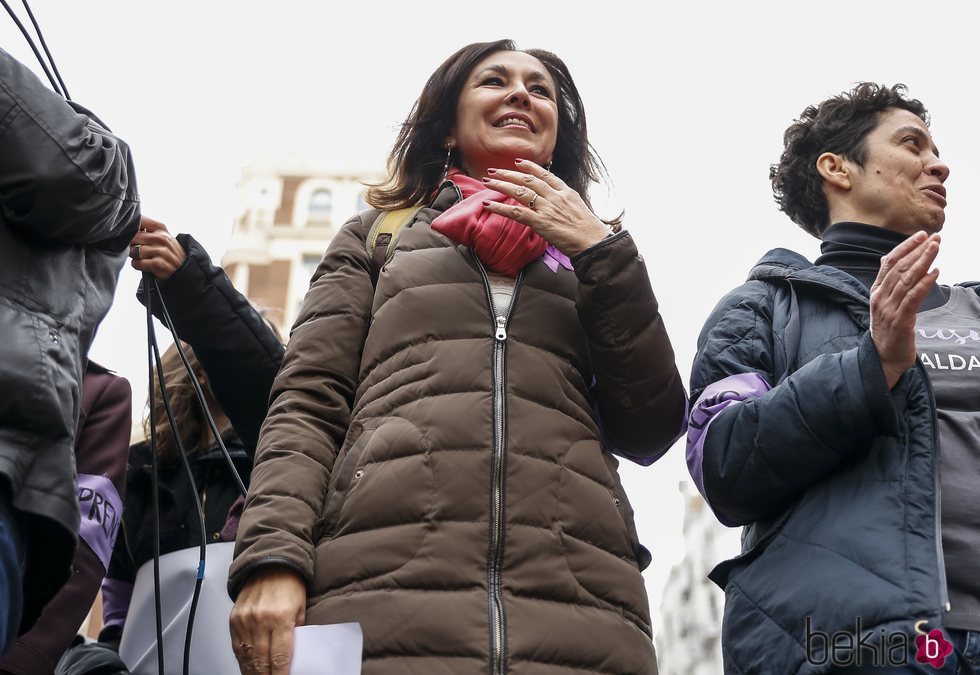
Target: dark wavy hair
839,125
416,162
183,401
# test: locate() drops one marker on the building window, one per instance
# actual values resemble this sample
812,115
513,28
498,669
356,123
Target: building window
321,206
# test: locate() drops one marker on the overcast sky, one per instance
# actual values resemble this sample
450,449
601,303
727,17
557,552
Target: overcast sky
686,104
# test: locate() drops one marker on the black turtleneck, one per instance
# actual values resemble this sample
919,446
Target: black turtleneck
857,249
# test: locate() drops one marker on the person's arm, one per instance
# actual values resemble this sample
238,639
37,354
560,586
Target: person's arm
101,449
753,448
309,415
641,399
117,587
64,178
236,347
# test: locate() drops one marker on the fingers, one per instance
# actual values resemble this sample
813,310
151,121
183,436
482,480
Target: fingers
521,214
541,173
902,284
897,266
530,176
904,281
150,225
281,650
251,642
893,284
914,297
156,252
268,608
525,194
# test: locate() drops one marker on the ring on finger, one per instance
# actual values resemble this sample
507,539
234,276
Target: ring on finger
135,253
245,646
530,204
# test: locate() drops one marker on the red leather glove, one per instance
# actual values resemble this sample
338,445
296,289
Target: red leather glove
502,244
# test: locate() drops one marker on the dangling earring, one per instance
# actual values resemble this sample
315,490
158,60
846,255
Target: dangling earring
445,167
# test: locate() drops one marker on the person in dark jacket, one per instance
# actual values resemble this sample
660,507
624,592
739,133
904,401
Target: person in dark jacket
235,355
101,449
822,395
68,209
238,349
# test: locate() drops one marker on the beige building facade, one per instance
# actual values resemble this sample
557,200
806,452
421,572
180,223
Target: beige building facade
286,213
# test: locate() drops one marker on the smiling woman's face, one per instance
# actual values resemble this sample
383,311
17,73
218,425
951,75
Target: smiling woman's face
506,110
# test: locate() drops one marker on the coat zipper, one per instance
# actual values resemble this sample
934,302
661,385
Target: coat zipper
937,482
497,475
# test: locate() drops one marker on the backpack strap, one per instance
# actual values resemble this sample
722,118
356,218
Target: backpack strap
791,335
383,235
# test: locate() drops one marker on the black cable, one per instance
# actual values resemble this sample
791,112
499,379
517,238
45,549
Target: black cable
27,36
200,393
192,376
155,483
199,582
44,45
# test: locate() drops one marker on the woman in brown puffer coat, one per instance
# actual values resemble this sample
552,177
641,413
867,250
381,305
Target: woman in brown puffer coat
437,463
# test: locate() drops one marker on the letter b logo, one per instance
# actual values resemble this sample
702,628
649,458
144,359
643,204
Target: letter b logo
932,648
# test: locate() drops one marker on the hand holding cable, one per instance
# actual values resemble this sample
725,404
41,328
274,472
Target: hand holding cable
155,250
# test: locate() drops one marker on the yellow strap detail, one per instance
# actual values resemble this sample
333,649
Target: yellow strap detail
390,222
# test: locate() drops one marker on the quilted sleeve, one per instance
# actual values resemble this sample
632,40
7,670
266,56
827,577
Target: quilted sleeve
640,396
754,448
309,413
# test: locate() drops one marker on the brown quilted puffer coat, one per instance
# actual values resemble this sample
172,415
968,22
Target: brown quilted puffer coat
437,475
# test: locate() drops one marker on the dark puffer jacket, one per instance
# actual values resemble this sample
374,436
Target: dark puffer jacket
68,208
240,356
835,477
446,488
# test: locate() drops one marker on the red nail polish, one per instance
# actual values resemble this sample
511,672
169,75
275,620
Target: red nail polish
485,180
518,161
491,171
486,203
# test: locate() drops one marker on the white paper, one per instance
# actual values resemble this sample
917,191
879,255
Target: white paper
327,650
211,643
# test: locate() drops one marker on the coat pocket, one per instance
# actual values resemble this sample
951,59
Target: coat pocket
384,478
344,474
40,373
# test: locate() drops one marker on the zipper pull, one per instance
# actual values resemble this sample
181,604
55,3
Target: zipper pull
501,333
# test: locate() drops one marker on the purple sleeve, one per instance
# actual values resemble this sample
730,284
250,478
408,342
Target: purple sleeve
116,595
230,529
716,397
101,509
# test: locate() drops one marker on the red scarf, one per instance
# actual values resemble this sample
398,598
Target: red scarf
502,244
